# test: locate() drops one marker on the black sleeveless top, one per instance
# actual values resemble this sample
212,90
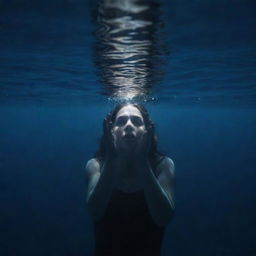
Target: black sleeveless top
127,227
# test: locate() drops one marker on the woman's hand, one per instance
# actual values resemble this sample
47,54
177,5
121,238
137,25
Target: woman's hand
111,150
143,146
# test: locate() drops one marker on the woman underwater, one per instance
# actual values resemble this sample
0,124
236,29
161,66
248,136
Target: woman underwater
130,186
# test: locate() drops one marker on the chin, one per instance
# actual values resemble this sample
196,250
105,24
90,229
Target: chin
129,150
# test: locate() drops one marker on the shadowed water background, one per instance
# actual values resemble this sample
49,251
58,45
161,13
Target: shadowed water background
64,64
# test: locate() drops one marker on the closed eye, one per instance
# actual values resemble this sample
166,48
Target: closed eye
121,120
137,121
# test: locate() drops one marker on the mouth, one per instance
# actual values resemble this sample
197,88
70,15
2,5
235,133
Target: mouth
129,136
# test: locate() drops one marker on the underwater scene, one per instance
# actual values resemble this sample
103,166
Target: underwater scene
65,64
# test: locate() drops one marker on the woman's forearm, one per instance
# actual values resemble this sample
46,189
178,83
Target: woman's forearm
159,205
100,194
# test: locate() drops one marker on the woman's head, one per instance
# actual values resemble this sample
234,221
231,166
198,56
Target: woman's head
124,127
128,130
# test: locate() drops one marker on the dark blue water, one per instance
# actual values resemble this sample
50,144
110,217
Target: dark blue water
194,64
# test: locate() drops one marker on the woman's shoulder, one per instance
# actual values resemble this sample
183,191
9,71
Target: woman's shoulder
92,164
164,162
161,158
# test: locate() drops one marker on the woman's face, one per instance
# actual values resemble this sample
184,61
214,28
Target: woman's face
128,128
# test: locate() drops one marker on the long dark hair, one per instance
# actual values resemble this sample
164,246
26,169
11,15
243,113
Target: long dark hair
105,144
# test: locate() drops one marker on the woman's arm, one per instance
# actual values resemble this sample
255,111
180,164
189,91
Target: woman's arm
159,191
100,184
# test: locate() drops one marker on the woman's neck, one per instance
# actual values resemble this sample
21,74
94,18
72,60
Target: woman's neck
130,170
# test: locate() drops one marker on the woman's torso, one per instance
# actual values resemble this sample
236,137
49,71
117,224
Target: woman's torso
127,227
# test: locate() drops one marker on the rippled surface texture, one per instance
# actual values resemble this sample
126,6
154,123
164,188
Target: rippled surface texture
129,47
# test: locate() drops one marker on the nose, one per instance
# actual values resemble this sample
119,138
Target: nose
128,126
